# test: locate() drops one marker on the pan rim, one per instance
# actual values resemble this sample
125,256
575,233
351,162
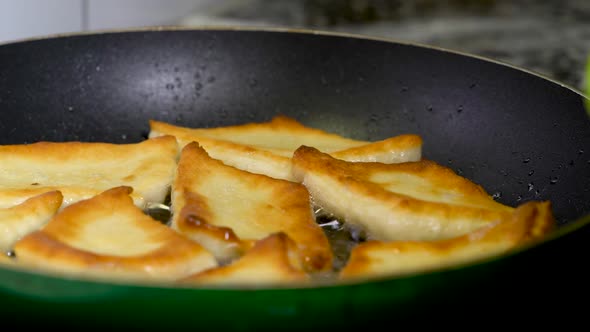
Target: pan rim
570,227
294,30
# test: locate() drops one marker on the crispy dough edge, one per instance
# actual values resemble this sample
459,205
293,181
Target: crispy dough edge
42,207
275,252
529,222
316,169
313,243
34,249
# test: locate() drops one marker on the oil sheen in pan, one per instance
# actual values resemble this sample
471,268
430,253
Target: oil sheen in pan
342,238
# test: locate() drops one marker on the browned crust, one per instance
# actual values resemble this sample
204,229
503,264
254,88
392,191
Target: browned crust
401,148
195,220
278,124
531,221
15,196
272,260
251,147
32,214
355,177
50,247
244,157
74,150
50,201
418,206
286,207
309,158
81,170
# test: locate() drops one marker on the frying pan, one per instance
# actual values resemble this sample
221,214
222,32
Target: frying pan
519,135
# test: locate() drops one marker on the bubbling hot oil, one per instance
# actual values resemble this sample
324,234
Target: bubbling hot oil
342,237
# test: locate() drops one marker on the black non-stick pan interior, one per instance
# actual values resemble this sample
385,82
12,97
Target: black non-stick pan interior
517,134
520,136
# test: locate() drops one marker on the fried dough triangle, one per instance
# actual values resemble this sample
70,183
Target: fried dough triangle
408,201
266,148
80,170
227,209
274,260
279,135
529,222
108,237
29,216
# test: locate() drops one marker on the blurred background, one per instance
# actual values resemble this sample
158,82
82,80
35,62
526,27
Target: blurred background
548,37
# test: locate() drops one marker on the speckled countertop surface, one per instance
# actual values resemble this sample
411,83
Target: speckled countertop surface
548,37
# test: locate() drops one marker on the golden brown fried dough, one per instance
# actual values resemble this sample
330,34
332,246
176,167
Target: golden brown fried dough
408,201
109,237
81,170
29,216
397,149
527,223
280,135
247,158
227,209
273,260
266,148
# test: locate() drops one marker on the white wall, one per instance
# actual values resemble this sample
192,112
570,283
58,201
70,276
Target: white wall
32,18
108,14
27,18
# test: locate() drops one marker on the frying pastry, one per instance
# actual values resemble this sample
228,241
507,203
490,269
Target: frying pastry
227,209
81,170
527,223
393,150
272,261
247,158
408,201
22,219
267,148
280,135
108,237
241,200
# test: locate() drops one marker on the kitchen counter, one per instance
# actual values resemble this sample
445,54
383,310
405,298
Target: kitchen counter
549,37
